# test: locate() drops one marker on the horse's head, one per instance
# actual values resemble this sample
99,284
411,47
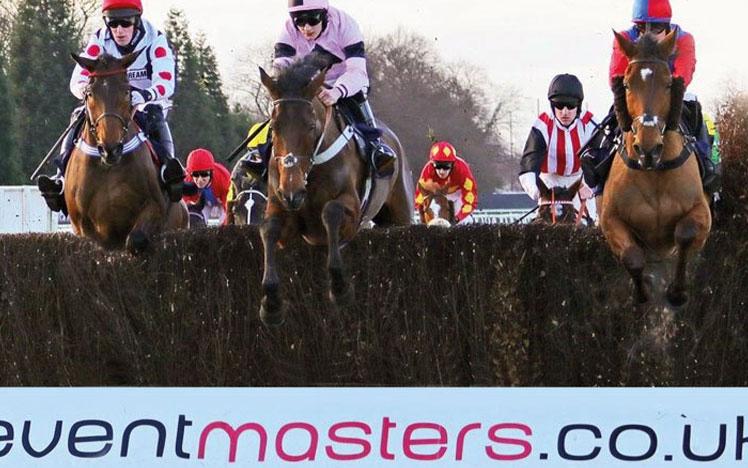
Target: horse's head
648,96
557,203
296,133
107,100
437,209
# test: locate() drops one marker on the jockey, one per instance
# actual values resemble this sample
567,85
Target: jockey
315,26
445,168
652,16
152,81
212,181
552,149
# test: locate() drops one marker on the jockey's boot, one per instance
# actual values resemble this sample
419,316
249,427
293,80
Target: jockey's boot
597,155
172,172
383,158
51,188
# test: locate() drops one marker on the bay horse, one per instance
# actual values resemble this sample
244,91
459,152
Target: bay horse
317,182
112,190
556,204
653,205
437,209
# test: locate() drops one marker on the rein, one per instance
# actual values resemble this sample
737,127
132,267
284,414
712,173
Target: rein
662,127
93,124
317,157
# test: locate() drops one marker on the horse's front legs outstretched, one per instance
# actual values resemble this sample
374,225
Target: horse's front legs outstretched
690,236
271,308
624,247
338,217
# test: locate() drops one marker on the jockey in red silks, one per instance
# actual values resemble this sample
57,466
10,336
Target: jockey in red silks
552,149
653,16
314,26
212,181
446,169
152,82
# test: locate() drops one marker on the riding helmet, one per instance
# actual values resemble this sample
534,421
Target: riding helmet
443,152
566,88
122,8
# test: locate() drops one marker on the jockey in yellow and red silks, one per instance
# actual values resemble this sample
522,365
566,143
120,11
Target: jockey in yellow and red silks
446,169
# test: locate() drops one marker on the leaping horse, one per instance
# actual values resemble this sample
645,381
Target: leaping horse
112,190
653,203
318,184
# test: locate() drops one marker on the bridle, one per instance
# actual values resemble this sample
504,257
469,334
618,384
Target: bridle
646,120
94,123
291,160
653,121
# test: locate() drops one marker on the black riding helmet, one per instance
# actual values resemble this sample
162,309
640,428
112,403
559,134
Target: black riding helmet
566,88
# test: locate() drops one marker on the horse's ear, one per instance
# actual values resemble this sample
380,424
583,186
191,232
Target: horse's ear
667,45
545,192
628,47
268,83
86,63
313,87
130,58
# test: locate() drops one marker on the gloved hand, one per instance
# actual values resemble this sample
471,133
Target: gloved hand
139,96
585,193
330,96
528,181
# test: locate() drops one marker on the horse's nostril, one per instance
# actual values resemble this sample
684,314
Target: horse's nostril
658,150
637,148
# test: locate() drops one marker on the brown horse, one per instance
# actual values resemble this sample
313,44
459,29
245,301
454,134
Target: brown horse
437,209
556,205
111,185
653,204
317,182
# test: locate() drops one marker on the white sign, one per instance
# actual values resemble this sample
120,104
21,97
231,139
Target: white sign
373,427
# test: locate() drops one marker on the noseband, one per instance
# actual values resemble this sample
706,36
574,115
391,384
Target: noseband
290,160
653,121
94,123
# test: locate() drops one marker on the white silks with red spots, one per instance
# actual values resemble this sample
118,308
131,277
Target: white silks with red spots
154,71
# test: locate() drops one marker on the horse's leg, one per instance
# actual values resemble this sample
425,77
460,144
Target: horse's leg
625,248
148,223
271,307
336,216
690,236
176,216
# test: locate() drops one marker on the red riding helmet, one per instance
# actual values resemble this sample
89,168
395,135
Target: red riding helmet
122,8
200,160
443,152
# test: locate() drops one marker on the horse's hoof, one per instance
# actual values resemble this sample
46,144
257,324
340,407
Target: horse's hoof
137,243
272,313
675,297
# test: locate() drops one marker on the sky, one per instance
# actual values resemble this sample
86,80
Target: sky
521,44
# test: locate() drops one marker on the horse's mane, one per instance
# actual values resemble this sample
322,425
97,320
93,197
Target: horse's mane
296,76
106,62
648,47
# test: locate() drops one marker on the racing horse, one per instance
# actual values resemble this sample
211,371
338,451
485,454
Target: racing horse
111,184
556,204
437,209
318,184
247,198
653,205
